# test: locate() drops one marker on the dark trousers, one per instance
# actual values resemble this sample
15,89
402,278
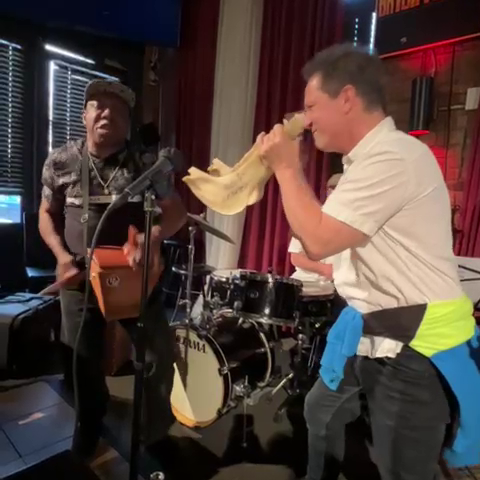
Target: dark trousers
408,410
92,390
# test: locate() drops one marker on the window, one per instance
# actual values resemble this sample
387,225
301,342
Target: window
12,86
69,74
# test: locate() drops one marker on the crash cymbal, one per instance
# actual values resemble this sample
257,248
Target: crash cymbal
207,227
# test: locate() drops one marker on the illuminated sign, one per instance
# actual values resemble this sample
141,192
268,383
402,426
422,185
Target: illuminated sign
390,7
406,25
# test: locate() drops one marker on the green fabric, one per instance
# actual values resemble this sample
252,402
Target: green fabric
445,325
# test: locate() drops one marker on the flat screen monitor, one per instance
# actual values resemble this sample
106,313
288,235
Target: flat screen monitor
10,209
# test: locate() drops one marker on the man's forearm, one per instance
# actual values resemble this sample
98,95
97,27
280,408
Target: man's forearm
302,261
302,208
51,237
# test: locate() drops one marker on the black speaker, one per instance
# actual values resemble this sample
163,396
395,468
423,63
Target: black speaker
421,105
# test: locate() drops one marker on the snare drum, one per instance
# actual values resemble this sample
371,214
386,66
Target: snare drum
266,297
219,364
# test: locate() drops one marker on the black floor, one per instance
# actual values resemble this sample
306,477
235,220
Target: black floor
35,423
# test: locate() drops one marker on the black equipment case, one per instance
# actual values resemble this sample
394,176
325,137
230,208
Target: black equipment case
29,332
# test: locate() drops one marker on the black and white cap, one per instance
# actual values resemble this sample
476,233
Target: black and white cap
96,87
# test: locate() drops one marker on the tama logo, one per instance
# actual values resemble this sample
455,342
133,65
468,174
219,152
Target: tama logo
193,344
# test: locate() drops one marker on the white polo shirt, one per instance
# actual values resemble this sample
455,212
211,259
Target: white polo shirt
393,190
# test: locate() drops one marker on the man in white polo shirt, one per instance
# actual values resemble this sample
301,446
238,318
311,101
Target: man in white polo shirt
389,220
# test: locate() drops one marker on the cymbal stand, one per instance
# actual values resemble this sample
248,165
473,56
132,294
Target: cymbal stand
188,300
191,257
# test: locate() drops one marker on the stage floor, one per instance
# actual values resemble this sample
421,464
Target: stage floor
36,422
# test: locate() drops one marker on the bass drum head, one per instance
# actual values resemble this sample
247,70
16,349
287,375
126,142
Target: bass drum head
198,388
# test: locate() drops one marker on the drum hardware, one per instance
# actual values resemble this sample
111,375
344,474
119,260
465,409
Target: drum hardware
192,229
237,305
208,228
230,366
198,221
216,303
314,356
297,381
242,389
224,410
257,395
191,255
279,387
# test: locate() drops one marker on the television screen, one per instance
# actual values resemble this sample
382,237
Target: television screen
153,22
10,209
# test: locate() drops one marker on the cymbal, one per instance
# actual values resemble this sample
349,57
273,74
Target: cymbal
207,227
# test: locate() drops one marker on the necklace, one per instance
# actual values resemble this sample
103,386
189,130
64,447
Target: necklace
104,184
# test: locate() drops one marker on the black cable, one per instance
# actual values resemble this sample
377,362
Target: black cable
88,264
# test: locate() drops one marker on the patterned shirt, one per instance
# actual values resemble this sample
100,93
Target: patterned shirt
62,184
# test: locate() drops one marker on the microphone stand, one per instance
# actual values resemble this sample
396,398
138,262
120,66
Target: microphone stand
141,340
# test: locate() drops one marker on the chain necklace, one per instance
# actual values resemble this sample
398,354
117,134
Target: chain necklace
107,183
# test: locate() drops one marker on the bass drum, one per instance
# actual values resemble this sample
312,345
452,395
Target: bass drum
215,366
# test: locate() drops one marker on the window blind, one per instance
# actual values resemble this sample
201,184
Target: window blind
12,89
67,87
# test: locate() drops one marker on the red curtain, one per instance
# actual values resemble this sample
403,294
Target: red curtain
291,34
469,238
195,86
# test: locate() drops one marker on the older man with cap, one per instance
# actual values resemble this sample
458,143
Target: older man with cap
103,164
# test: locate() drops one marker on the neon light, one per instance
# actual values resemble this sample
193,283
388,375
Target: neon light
418,133
373,31
430,45
67,53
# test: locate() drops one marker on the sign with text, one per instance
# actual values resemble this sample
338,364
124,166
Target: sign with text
409,24
390,7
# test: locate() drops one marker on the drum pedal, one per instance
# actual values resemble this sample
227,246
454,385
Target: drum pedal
279,387
242,390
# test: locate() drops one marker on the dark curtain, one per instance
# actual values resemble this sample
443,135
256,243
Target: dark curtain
290,37
468,244
195,85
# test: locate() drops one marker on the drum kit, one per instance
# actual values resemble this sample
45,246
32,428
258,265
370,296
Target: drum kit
230,352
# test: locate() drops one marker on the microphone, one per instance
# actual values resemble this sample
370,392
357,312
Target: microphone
158,177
